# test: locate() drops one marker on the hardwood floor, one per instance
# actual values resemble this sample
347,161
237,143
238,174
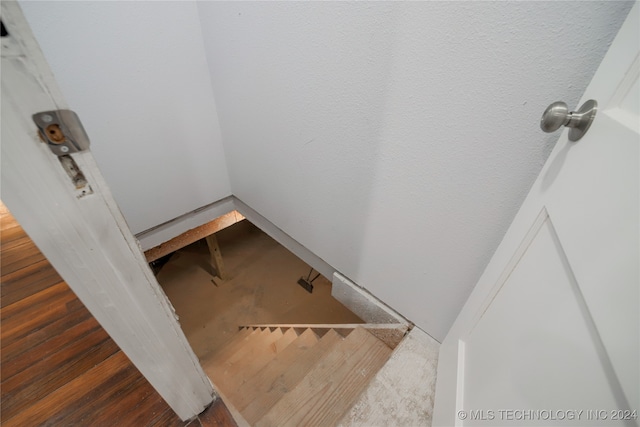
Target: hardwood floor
57,365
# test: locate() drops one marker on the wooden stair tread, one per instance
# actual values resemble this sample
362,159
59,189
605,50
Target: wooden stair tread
237,350
236,343
256,343
245,369
289,336
329,389
263,379
245,362
290,370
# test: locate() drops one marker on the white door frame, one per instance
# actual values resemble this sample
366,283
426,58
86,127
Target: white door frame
87,239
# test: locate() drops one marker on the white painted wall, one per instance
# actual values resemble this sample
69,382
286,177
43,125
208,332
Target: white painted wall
397,140
137,75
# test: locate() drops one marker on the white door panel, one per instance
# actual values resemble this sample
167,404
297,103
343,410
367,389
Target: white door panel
596,217
596,209
549,343
553,324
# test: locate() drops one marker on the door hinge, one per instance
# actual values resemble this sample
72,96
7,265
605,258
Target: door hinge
62,131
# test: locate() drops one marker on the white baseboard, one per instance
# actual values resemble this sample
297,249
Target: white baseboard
164,232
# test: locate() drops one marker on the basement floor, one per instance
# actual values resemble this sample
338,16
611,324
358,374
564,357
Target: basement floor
260,287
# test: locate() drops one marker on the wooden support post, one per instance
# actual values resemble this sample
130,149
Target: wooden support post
216,256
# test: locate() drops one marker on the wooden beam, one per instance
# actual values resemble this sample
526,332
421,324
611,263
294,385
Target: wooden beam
193,235
216,256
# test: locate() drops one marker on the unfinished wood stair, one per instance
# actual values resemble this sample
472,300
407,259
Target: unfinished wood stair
292,376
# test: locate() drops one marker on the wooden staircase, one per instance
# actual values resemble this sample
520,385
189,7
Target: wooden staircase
292,376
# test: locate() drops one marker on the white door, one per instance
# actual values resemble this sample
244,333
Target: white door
550,334
82,232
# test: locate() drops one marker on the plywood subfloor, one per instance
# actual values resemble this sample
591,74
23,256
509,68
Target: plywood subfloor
261,288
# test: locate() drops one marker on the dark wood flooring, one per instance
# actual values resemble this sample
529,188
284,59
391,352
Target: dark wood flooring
57,365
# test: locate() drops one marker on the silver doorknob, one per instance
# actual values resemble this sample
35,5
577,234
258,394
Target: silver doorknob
557,115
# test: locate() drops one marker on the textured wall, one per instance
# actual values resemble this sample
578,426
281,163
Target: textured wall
397,140
137,75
